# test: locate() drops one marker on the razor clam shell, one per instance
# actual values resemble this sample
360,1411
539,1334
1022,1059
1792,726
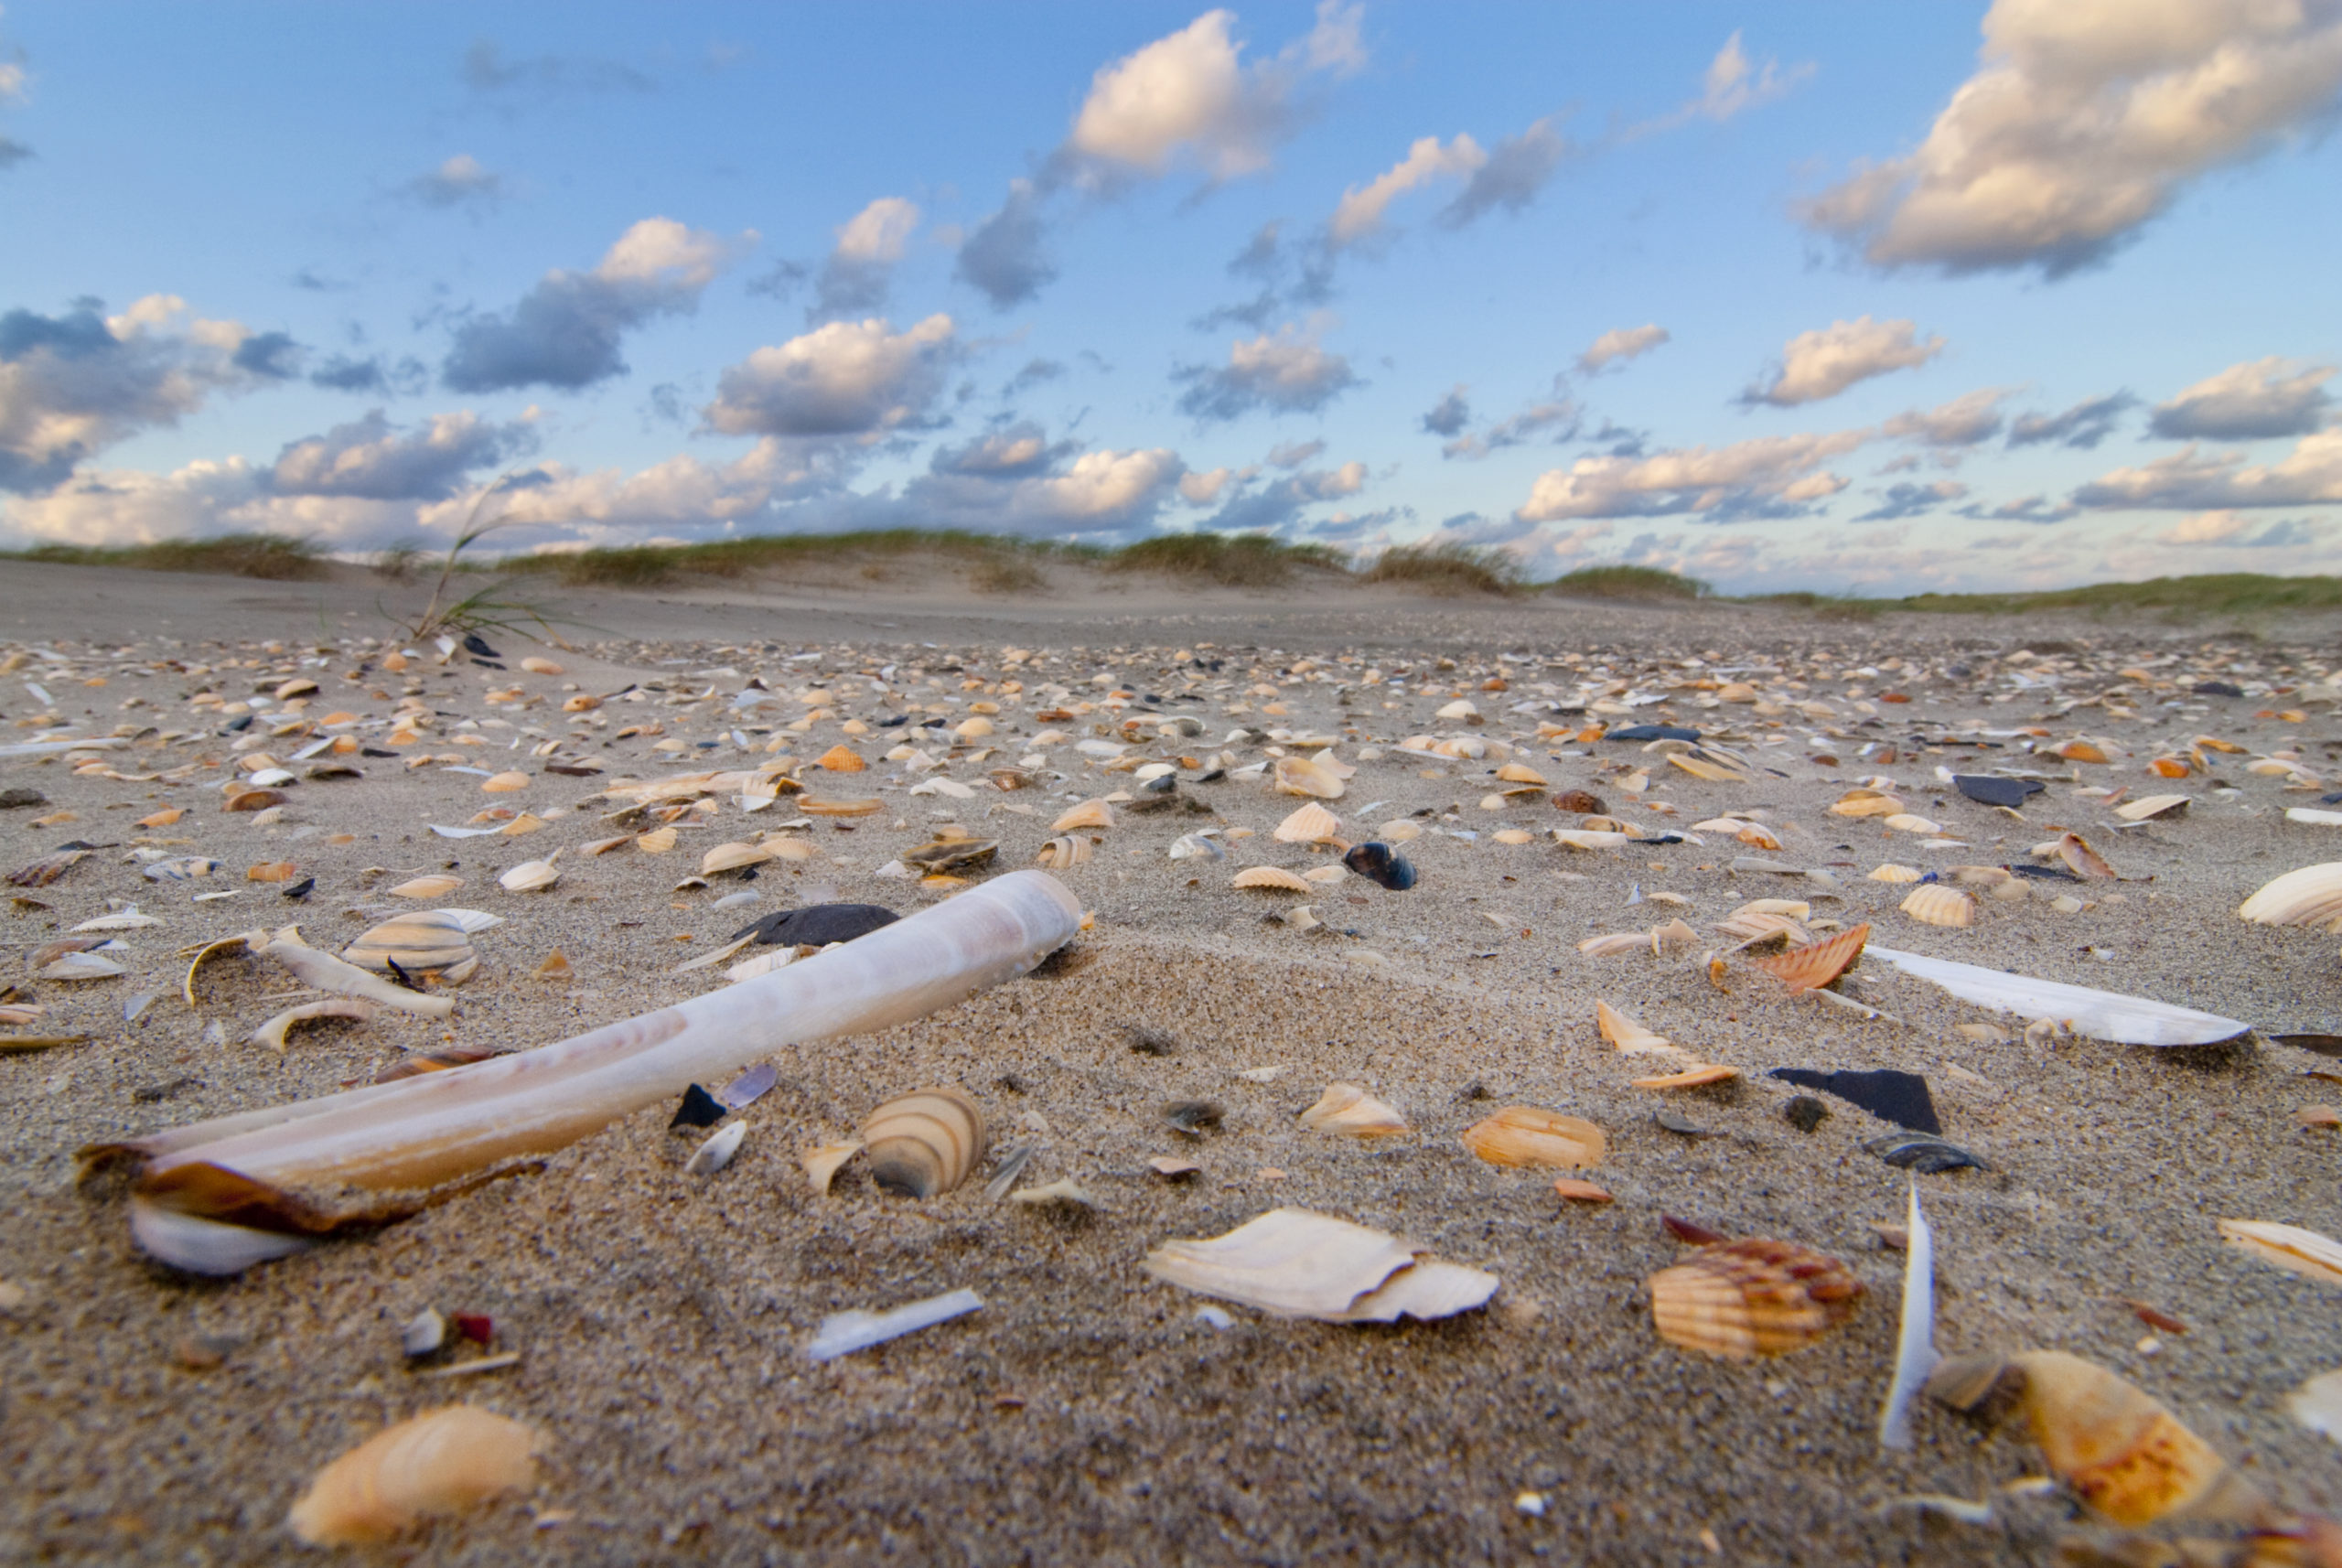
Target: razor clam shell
1915,1346
843,1333
2099,1015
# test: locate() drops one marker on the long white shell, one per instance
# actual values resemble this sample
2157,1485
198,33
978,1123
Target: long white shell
1915,1346
2310,896
1297,1263
2099,1015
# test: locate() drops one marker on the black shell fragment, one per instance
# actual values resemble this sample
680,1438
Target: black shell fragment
1899,1097
1926,1155
1377,862
699,1109
817,925
1992,791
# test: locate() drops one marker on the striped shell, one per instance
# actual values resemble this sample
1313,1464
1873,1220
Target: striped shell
1532,1135
1933,904
428,939
2310,896
841,759
1754,1297
924,1144
732,857
1064,851
1808,968
813,808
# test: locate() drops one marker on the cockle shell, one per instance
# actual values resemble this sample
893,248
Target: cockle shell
2122,1451
733,857
1937,905
924,1144
1297,1263
505,783
658,841
1866,803
439,885
1890,872
1300,776
1754,1297
1066,850
2310,896
1532,1135
530,877
440,1462
1089,814
1271,876
1808,968
1310,824
1906,822
1347,1109
841,759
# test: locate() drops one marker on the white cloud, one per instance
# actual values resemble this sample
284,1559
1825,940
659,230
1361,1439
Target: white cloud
861,267
1186,93
848,378
2084,120
1358,216
1770,475
1512,175
2234,531
1731,86
12,82
1287,372
880,231
2257,399
1203,488
682,496
2309,475
462,178
1336,44
1108,485
1827,360
1620,344
1962,422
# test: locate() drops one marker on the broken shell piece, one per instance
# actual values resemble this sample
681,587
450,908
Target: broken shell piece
1690,1077
1579,801
1348,1109
505,783
944,855
424,1334
1172,1168
1905,822
1310,824
1089,814
1624,1033
1809,968
1866,803
2082,860
1937,905
1067,1193
436,885
1068,850
1271,876
80,966
732,857
1382,864
2100,1014
658,841
2287,1246
274,1032
1890,872
530,877
1754,1297
2310,896
440,1462
717,1153
1578,1192
924,1144
1520,773
824,1162
843,1333
2122,1451
2148,806
272,871
1300,776
813,807
1521,1136
1297,1263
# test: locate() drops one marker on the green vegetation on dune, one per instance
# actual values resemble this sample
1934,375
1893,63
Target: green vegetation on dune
1236,561
1649,583
1449,568
266,555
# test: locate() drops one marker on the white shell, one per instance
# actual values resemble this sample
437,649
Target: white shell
1310,824
2310,896
80,966
1297,1263
2099,1015
1938,905
530,877
2147,806
717,1153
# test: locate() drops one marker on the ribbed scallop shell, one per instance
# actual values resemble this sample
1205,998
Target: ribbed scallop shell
1936,905
841,759
530,877
1906,822
505,783
1808,968
1891,871
1311,824
2310,896
1754,1297
924,1144
1531,1136
1270,876
439,1462
1064,851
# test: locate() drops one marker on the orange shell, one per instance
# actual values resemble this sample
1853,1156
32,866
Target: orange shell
841,759
1578,1192
1271,876
1521,1135
1754,1297
1690,1078
813,808
439,1462
2169,768
255,801
1937,905
505,783
2080,751
1808,968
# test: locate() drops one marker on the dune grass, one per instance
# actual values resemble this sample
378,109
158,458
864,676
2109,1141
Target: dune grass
1238,561
270,556
1001,561
1448,568
1650,583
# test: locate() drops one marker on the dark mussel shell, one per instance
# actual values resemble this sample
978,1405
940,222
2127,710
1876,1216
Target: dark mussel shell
1377,862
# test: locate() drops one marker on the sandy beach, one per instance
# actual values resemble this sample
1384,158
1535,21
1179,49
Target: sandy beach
1087,1412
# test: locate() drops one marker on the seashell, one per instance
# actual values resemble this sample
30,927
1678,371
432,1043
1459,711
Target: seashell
1347,1109
429,938
1297,1263
80,966
1690,1077
2287,1246
2099,1015
2122,1451
1300,776
1624,1033
841,759
527,823
717,1153
1461,708
1615,943
1587,839
1310,824
536,665
1067,1193
255,801
1890,872
1757,929
1937,905
1521,1135
1378,863
1008,778
1512,835
530,877
47,869
439,885
274,1031
1748,1298
2079,751
1089,814
184,868
162,819
128,920
1905,822
732,857
1401,831
1271,876
272,871
1866,803
1579,801
2082,860
440,1462
823,1163
658,841
503,783
1064,851
944,855
2149,806
924,1144
2310,896
1520,773
975,729
813,807
1703,767
1809,968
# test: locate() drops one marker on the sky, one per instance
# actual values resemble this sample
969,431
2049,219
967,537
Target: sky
1873,299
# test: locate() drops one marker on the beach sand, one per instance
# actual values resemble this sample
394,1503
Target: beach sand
1087,1413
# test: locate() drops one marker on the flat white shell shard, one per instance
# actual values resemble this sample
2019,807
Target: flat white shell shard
530,877
201,1245
80,966
1297,1263
843,1333
2318,1404
2099,1015
1349,1110
2147,806
128,920
2310,896
1915,1346
717,1153
2287,1246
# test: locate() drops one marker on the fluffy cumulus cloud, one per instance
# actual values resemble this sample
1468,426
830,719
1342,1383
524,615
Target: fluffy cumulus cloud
1827,360
862,264
1203,488
1015,451
566,331
2084,120
1358,216
2188,480
369,458
2258,399
1619,345
74,384
2082,426
1967,421
2236,530
1773,476
1016,481
461,181
1286,373
859,379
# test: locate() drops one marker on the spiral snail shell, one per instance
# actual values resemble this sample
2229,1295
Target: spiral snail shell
923,1144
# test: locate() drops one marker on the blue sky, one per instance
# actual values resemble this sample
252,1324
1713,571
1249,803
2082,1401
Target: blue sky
1867,297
